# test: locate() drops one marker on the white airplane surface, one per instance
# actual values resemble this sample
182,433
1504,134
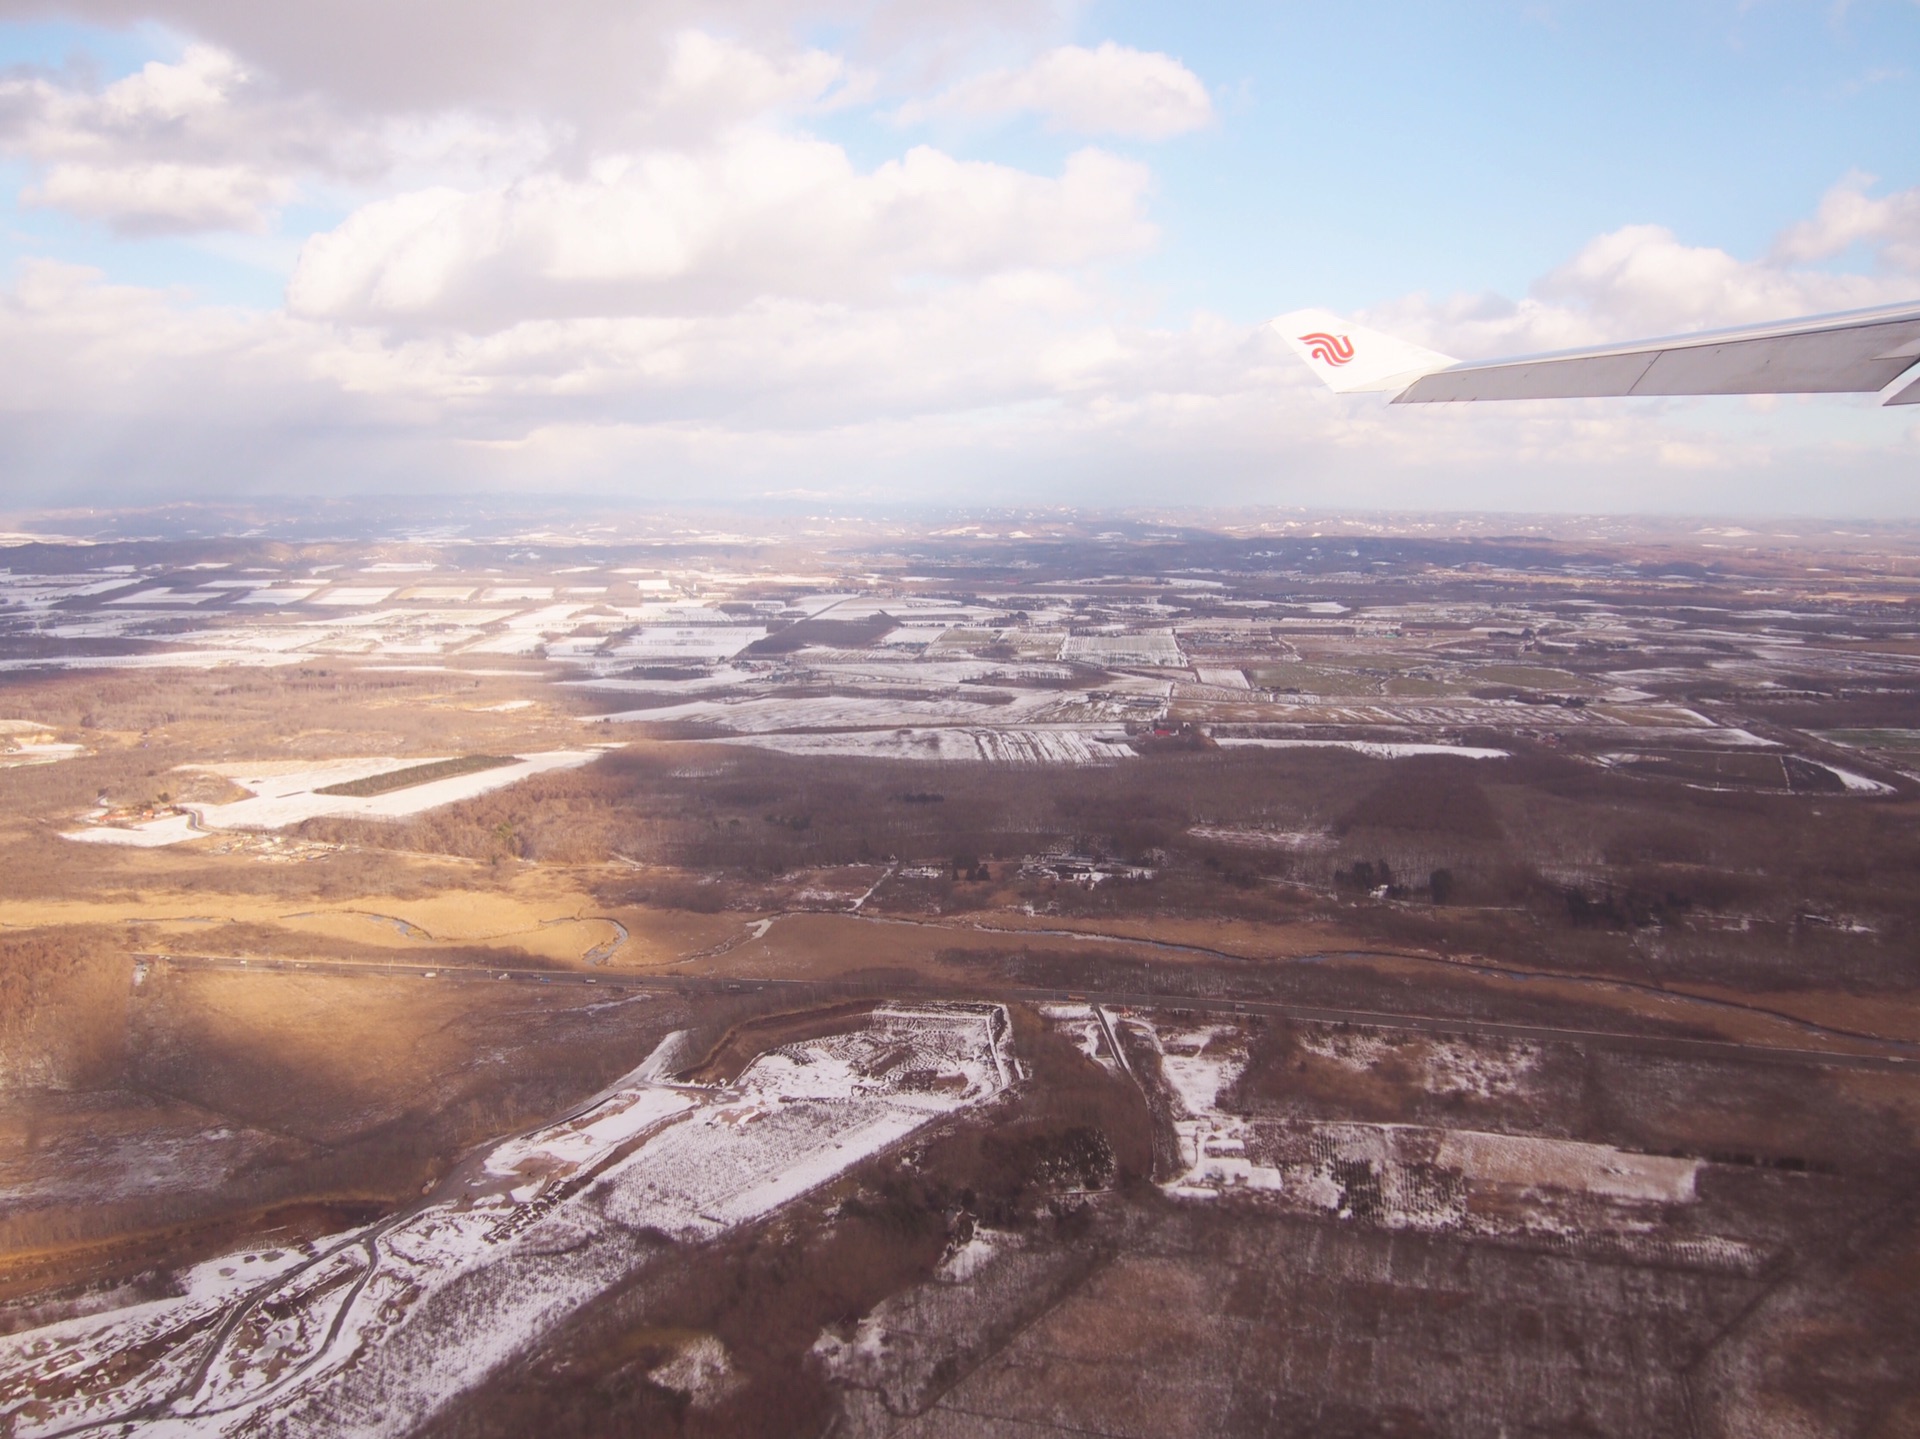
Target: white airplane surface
1859,352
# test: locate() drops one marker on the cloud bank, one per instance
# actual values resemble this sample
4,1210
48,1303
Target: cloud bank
626,255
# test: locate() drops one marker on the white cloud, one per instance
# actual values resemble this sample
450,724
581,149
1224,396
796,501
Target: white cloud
595,247
161,197
201,143
1642,281
584,63
711,82
996,388
1109,90
177,146
1643,275
1849,216
669,231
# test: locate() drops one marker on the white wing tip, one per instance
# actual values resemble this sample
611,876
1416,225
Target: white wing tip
1351,359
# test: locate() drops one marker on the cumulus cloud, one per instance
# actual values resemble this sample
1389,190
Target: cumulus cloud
759,213
597,245
1001,383
203,143
1642,281
1109,90
710,82
1849,216
178,146
1644,275
135,154
161,198
584,61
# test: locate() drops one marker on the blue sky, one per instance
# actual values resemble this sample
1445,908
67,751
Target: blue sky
1456,147
991,272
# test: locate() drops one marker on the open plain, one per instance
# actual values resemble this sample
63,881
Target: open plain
1019,977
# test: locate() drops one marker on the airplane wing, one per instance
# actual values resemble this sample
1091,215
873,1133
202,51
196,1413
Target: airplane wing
1352,359
1859,352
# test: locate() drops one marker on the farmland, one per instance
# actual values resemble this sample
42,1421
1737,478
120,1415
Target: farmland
1129,977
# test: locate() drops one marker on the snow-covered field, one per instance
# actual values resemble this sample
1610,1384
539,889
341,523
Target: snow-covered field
1373,749
1261,838
701,643
773,715
165,596
1089,1029
1002,669
1199,1063
1222,678
1855,783
1850,781
370,1332
286,793
1062,745
1483,1068
1155,647
1400,1176
23,742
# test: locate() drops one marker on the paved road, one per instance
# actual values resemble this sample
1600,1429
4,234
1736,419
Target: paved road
1889,1058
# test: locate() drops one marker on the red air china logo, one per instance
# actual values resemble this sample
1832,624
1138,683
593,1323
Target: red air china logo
1328,349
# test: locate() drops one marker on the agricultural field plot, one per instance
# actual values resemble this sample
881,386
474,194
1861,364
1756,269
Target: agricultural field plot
954,744
281,795
1899,749
23,742
1249,1325
1783,773
1411,1176
1150,648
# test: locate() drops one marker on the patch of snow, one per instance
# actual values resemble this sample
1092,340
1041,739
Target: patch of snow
370,1332
166,596
1086,1029
1373,749
284,795
966,1259
1568,1164
701,1371
668,1055
150,834
1198,1063
1856,783
682,644
1156,647
1222,678
38,752
955,744
1261,838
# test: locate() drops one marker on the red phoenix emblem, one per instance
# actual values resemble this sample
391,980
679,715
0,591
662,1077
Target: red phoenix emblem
1328,349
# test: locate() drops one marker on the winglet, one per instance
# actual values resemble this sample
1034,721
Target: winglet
1350,358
